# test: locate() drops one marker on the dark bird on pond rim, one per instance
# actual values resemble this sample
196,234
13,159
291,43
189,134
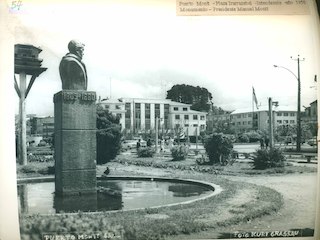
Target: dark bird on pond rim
107,171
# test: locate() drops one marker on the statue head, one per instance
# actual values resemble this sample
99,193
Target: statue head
76,48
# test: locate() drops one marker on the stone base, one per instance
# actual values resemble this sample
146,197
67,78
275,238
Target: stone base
75,142
72,203
76,182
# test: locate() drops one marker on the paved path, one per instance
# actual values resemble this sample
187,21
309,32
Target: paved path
299,193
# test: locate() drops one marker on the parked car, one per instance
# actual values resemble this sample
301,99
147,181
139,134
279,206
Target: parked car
132,144
312,142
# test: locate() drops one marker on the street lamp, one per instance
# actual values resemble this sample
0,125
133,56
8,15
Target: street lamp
298,147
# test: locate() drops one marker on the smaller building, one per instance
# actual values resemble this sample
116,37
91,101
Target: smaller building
246,119
311,113
42,126
217,119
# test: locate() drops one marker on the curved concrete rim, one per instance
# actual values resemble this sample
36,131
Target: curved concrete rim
216,189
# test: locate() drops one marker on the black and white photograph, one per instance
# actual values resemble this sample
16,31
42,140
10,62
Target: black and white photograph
159,120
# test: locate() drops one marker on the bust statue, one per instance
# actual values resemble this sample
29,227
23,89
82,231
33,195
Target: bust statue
72,70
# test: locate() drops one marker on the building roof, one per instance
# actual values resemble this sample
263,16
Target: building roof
265,109
150,100
189,112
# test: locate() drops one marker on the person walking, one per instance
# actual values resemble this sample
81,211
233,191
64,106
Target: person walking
138,144
267,142
261,143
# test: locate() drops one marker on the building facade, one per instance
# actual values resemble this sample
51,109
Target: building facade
42,126
311,113
140,115
246,119
218,120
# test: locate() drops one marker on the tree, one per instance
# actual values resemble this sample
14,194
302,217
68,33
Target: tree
199,98
108,136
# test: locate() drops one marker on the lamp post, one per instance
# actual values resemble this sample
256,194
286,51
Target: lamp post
298,147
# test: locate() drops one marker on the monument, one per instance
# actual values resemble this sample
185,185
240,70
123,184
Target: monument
75,127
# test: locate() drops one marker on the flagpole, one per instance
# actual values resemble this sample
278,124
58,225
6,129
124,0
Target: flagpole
252,110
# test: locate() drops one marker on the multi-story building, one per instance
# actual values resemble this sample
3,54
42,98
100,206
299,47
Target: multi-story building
216,120
116,107
311,113
138,115
42,126
246,119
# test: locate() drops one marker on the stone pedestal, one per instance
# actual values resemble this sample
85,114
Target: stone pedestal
75,142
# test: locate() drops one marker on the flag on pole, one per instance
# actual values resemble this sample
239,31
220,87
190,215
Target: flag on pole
255,97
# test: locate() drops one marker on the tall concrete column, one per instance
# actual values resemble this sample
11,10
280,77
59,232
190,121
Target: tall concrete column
22,120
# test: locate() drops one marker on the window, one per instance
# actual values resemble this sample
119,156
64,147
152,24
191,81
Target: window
279,114
177,117
195,125
239,116
186,125
195,117
186,117
285,121
147,112
285,114
202,117
249,115
292,121
279,121
117,106
202,126
185,109
238,123
106,106
175,109
249,122
292,114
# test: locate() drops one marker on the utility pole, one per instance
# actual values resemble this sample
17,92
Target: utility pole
298,147
270,123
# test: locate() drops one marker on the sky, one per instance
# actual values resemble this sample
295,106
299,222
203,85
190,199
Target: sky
141,49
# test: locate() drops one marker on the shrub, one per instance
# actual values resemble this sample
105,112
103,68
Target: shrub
202,160
218,147
268,158
146,152
179,153
243,138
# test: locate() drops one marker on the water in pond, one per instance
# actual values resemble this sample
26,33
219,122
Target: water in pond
111,195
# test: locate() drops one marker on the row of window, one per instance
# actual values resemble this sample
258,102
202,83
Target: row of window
279,114
186,117
285,121
177,109
243,123
286,114
202,126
